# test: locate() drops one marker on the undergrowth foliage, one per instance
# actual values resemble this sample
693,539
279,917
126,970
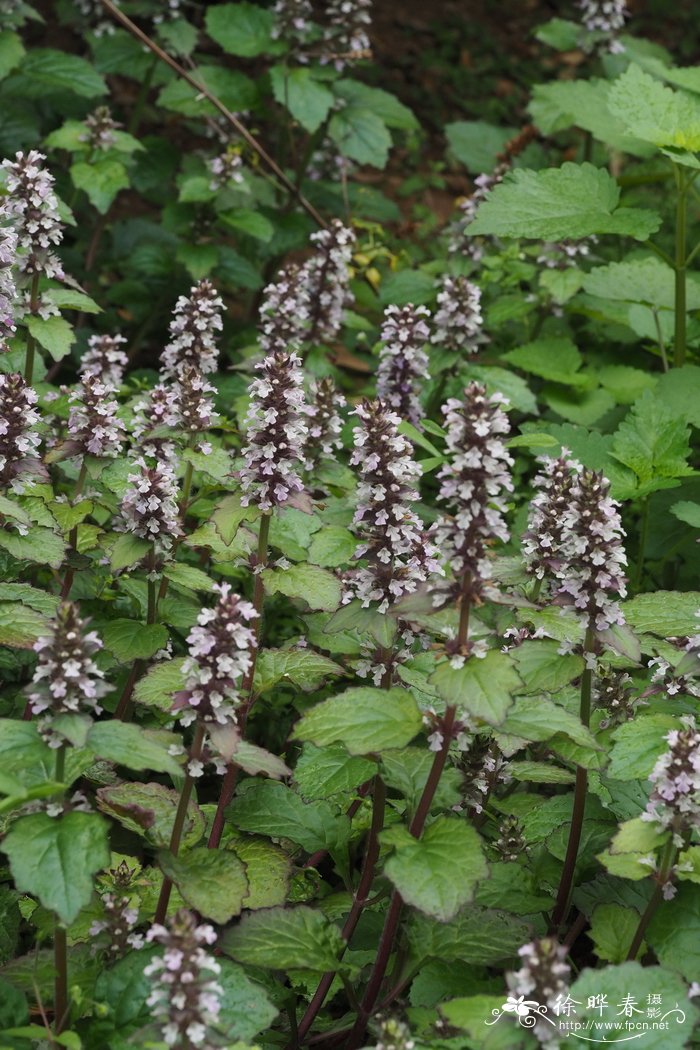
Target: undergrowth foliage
348,564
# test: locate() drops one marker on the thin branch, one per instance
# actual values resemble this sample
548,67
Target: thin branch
218,104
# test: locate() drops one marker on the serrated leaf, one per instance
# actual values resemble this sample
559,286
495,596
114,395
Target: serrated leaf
666,614
156,688
655,113
584,104
11,54
386,106
131,640
307,99
188,576
612,930
55,858
128,745
361,135
476,935
556,359
268,870
241,29
213,882
45,72
477,144
571,202
674,932
364,720
438,873
543,668
53,333
285,939
217,463
324,771
332,546
483,687
20,626
648,280
149,810
233,88
688,512
407,286
127,550
637,746
249,222
301,667
536,718
652,442
319,588
101,180
264,807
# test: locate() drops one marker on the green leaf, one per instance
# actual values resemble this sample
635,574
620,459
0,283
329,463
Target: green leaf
217,463
285,939
301,667
321,772
559,34
20,626
638,745
652,442
188,576
584,104
128,550
241,29
477,144
319,588
535,718
53,333
101,180
649,280
332,546
626,384
361,135
42,601
407,771
128,745
632,979
476,935
483,687
131,640
655,113
264,807
11,51
156,688
253,759
307,99
674,932
510,884
470,1014
55,858
213,882
540,773
679,389
666,614
229,514
364,720
149,810
688,512
407,286
385,105
234,89
198,259
249,222
612,930
14,1010
45,73
180,35
268,870
542,668
438,873
555,359
570,202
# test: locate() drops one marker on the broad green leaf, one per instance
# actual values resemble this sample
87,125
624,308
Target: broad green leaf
129,745
229,514
11,54
438,873
407,770
688,512
652,442
637,746
249,222
131,640
213,882
332,546
674,932
304,668
364,720
555,359
128,550
156,688
535,718
253,759
559,34
264,807
53,333
626,384
217,463
385,105
631,979
361,135
307,99
666,614
475,935
321,772
542,667
198,259
612,930
45,73
180,35
511,885
101,180
484,688
584,104
241,29
477,144
188,576
55,858
149,810
285,939
268,870
233,88
471,1013
647,280
570,202
637,836
20,626
407,286
540,773
14,1009
679,389
319,588
503,381
655,113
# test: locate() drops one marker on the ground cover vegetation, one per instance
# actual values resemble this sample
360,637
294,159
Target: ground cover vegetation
349,632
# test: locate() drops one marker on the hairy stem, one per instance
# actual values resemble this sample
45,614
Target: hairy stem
567,875
228,784
178,826
667,861
679,342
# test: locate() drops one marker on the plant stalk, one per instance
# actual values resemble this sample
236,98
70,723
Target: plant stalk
228,784
60,944
643,536
178,826
679,343
567,875
667,861
31,341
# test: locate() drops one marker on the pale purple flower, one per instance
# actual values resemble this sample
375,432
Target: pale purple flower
93,426
606,17
119,923
403,362
346,36
325,421
543,979
8,259
285,313
458,319
99,129
19,440
156,410
674,802
33,206
226,168
149,506
547,531
293,24
327,278
194,330
105,360
194,403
